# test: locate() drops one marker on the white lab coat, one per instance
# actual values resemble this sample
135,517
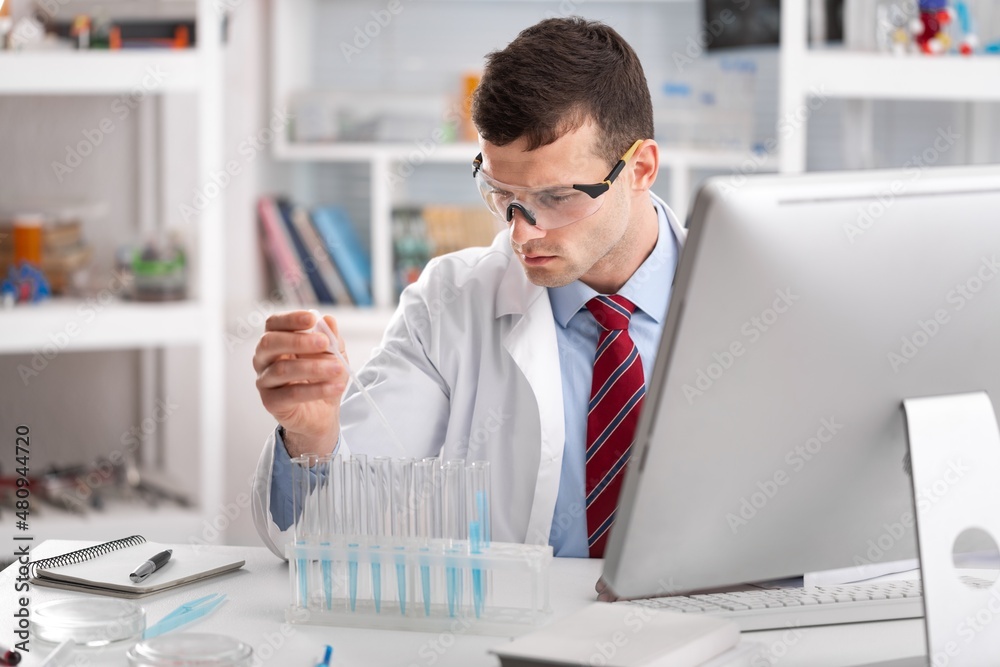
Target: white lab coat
468,369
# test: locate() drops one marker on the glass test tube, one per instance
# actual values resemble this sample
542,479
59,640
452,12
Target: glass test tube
424,499
379,519
402,522
306,510
454,526
478,508
354,497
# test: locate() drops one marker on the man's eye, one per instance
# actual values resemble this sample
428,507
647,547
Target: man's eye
554,198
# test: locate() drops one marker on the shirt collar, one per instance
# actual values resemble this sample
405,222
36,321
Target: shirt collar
648,288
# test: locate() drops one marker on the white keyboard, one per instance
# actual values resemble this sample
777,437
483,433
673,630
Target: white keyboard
764,609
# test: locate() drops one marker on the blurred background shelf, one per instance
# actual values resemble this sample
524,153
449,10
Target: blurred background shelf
99,72
885,76
74,325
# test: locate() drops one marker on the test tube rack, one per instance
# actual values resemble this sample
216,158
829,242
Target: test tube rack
404,544
425,586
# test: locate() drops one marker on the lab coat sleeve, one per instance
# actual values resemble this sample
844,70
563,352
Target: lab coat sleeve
403,380
273,537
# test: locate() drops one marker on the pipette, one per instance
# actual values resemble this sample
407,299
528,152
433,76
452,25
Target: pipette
322,327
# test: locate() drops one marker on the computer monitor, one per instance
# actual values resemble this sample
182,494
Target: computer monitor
772,441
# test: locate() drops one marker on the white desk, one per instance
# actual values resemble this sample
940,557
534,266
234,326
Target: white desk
258,594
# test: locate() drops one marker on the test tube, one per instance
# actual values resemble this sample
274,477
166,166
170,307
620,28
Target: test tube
306,509
478,508
424,503
326,491
379,519
454,526
402,521
354,496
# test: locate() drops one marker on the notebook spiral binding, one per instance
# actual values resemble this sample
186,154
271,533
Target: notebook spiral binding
81,555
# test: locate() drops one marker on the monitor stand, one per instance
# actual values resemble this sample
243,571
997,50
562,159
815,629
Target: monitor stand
955,462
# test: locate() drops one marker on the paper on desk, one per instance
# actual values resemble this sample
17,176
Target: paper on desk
856,573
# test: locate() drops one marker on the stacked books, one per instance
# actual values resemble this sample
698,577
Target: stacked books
315,255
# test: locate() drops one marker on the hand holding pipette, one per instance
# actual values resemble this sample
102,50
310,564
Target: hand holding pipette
300,383
334,348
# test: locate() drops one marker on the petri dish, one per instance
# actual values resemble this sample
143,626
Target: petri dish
190,649
88,621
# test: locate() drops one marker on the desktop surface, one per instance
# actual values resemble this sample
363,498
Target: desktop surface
259,593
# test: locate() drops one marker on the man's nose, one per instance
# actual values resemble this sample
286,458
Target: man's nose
521,230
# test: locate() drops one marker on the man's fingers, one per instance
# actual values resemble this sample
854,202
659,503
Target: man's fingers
274,345
340,341
315,369
604,592
296,320
284,399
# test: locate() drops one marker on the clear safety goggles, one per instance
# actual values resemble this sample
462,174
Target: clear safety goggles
547,207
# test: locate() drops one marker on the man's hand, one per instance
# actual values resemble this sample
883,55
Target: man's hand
299,382
604,592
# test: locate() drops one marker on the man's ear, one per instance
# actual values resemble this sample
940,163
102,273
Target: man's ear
645,165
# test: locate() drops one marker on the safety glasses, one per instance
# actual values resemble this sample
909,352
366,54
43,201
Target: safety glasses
547,207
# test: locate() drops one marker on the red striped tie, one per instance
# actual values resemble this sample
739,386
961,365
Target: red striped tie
615,400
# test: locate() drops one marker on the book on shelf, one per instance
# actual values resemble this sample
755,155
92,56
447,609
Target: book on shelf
315,255
288,275
334,228
320,292
319,258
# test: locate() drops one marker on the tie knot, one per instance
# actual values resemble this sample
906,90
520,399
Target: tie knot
611,312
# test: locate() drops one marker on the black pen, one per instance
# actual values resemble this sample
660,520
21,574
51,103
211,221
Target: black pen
150,566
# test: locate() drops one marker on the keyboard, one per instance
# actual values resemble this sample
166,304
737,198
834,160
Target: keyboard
779,608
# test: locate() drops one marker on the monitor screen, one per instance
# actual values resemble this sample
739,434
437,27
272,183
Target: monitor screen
772,440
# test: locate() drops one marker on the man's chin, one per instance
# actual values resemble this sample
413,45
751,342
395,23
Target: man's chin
548,276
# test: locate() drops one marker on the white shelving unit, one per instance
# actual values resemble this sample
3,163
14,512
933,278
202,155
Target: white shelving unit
291,69
148,327
862,76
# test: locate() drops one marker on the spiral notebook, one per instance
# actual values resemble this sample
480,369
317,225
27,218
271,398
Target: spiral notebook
104,568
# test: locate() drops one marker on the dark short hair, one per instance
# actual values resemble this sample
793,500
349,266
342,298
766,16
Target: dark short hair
555,76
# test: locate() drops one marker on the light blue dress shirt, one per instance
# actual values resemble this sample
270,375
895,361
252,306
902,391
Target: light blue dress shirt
576,335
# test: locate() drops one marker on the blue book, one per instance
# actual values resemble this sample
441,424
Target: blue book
346,251
308,263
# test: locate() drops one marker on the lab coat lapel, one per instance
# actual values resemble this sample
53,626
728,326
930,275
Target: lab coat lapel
531,343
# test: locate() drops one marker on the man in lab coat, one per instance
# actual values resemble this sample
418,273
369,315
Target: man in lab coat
491,353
